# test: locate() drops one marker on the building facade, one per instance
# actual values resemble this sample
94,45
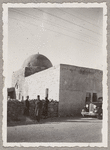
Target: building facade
70,85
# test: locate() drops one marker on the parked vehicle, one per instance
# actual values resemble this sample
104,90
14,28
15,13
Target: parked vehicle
93,109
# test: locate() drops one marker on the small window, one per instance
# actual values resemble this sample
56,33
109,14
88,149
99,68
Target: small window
19,96
22,98
16,86
88,97
94,97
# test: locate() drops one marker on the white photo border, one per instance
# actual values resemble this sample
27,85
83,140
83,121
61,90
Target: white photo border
5,7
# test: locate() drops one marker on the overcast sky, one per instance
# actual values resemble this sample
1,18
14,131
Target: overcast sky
64,35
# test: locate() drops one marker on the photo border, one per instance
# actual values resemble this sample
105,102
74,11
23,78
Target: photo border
105,88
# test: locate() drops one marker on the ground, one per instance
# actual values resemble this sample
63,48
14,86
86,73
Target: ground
56,130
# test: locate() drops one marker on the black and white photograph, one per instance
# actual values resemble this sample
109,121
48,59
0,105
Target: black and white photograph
55,69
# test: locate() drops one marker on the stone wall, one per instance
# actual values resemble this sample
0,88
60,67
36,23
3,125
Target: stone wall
15,109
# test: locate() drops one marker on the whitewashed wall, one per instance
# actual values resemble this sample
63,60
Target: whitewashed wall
37,83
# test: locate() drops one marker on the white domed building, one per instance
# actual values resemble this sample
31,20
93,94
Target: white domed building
67,84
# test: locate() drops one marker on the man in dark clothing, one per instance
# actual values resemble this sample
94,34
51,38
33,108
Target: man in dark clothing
27,106
38,108
46,107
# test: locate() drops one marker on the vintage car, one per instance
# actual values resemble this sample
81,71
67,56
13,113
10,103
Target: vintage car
93,109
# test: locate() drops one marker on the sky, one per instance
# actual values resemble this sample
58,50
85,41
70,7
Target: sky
71,36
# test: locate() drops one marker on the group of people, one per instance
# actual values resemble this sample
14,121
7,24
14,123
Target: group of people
40,108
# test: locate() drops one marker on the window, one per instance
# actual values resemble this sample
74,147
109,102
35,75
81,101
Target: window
94,97
16,86
22,98
19,96
88,97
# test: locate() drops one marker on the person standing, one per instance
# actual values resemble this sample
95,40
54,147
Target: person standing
38,108
27,106
46,107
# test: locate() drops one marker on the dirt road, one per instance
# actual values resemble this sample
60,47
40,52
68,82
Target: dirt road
57,130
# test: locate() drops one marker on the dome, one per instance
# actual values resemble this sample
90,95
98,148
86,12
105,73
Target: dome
37,60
